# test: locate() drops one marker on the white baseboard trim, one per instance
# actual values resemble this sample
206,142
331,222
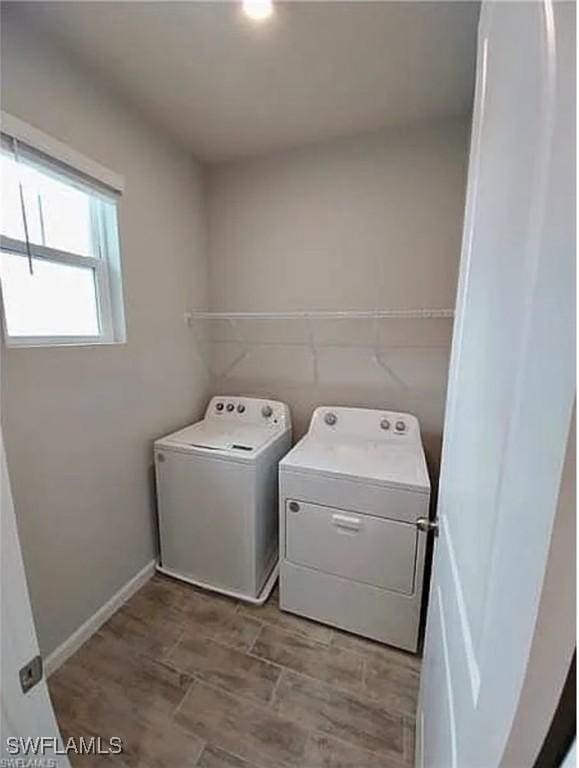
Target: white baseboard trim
65,650
419,745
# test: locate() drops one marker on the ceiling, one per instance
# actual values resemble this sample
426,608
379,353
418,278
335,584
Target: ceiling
229,87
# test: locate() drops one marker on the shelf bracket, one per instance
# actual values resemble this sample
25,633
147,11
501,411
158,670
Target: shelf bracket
380,362
242,354
313,350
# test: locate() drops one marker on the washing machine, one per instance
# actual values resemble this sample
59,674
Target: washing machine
354,505
217,497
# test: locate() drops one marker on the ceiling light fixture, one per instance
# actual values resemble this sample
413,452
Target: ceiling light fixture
258,10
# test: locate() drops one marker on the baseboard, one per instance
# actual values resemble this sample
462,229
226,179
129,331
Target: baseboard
419,739
54,660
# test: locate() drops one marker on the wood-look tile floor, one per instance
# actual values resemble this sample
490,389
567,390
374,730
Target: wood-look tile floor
188,678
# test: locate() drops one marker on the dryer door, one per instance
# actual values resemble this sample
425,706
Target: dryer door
363,548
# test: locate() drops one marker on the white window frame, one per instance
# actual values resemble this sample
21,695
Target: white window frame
107,266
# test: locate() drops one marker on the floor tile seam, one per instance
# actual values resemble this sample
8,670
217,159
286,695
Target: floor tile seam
325,646
170,650
197,677
375,657
175,712
204,744
346,743
316,731
359,694
266,709
274,691
219,641
249,650
338,689
233,754
409,741
176,613
295,633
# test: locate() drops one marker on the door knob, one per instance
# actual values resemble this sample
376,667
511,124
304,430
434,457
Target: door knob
427,526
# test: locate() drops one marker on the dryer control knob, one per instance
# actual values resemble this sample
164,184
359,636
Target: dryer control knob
219,407
240,408
400,426
384,424
330,418
294,506
230,407
266,411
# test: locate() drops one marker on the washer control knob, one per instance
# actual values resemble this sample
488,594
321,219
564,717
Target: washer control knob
230,407
240,408
266,411
294,506
219,407
400,426
330,418
384,424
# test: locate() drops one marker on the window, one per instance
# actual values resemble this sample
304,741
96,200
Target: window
59,251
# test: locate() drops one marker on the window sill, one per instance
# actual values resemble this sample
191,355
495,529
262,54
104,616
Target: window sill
33,344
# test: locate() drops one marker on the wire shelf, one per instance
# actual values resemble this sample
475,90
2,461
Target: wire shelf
375,349
373,314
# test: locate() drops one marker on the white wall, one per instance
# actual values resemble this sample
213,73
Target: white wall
79,421
370,222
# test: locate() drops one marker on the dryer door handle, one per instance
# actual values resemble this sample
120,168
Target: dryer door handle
347,522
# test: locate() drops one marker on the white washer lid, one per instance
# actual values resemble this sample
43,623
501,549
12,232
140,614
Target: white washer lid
240,441
364,461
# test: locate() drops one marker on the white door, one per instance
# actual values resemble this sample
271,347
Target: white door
571,758
511,386
28,714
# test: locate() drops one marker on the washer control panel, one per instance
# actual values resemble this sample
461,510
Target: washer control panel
248,410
